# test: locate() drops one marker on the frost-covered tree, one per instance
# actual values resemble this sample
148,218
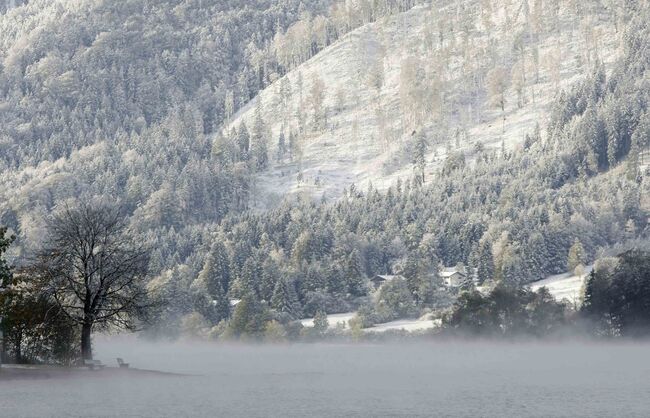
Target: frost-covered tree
320,322
317,102
420,149
498,81
485,262
576,256
248,319
285,300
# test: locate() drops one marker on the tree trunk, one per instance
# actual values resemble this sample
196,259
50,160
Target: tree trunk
18,348
3,347
86,349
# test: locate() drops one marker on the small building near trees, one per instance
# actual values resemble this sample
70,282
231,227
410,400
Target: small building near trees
453,276
378,280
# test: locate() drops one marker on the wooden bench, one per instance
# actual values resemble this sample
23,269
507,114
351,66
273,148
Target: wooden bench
122,364
93,364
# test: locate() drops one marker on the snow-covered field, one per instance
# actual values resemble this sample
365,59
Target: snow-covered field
411,325
341,320
333,320
566,286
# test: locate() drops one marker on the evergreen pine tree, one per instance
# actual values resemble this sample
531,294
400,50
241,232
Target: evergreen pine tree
249,318
216,269
243,142
249,278
269,279
320,322
354,273
259,145
284,299
221,304
282,147
419,156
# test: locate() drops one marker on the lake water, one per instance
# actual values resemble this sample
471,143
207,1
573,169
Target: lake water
455,379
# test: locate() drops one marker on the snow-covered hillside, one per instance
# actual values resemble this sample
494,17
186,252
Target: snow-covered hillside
368,125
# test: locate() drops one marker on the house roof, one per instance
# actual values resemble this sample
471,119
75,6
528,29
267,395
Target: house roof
450,271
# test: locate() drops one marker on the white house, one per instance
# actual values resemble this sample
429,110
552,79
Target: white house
453,276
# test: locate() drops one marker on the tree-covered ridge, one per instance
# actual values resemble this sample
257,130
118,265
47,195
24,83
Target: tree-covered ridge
74,74
104,98
513,216
132,124
117,99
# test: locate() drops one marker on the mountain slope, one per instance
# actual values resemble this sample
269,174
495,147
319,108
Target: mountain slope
426,70
115,100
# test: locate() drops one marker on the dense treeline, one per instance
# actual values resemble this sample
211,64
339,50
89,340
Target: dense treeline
508,311
76,75
77,80
617,295
122,99
131,113
615,305
513,216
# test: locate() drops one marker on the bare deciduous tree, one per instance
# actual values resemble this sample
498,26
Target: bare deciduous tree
317,100
93,269
498,80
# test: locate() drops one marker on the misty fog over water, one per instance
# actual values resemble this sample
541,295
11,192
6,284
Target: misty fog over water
467,379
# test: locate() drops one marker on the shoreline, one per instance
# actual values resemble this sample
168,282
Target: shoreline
12,372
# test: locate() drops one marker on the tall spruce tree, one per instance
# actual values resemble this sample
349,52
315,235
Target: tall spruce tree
249,318
243,142
485,262
285,300
420,149
216,269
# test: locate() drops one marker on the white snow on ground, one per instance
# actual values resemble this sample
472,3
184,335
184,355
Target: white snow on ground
564,286
410,325
349,149
333,320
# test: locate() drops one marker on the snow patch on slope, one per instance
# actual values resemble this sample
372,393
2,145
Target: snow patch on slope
566,286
